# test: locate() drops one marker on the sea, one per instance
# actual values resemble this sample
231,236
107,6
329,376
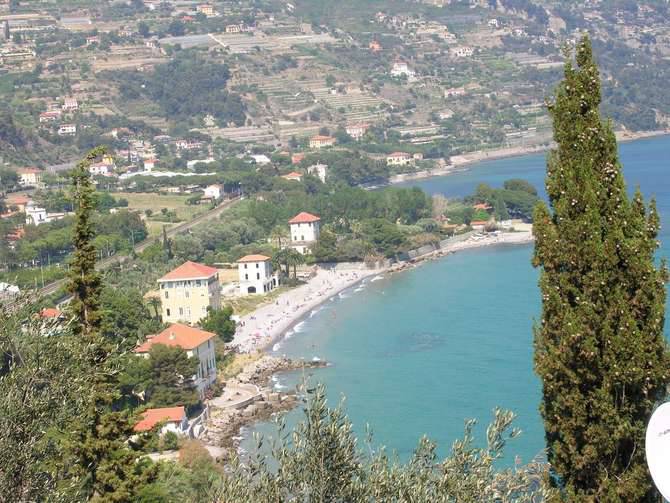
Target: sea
420,352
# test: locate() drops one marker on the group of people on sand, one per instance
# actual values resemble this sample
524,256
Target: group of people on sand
259,329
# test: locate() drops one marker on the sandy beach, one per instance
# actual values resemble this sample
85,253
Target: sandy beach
258,330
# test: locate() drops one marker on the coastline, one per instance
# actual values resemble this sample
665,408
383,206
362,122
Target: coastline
462,160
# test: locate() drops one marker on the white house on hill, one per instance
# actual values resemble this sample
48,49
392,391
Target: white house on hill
256,275
304,228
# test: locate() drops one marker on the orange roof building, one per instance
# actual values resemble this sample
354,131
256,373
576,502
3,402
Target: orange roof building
320,141
183,336
293,176
188,291
173,419
197,343
253,258
256,275
297,158
51,313
304,231
304,218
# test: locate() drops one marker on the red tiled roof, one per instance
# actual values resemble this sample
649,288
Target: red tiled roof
481,206
292,175
399,154
26,171
151,417
322,138
179,335
17,199
304,218
50,312
190,270
254,258
479,222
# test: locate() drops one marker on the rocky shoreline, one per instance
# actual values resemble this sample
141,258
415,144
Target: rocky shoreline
226,419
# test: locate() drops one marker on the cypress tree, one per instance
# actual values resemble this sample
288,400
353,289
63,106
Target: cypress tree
599,348
101,462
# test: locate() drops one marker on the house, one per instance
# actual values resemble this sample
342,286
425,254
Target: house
70,105
479,225
304,230
29,177
150,164
482,206
398,159
356,131
17,200
187,292
170,418
260,159
196,342
51,313
206,9
297,158
234,28
213,192
320,141
374,46
93,39
187,144
36,215
50,116
256,275
293,176
461,51
417,156
319,170
67,130
400,68
100,169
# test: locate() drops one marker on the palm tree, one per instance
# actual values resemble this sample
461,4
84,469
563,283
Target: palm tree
294,258
155,303
278,233
280,258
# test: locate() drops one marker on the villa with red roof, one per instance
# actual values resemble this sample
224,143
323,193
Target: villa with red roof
187,291
171,418
29,177
256,275
197,344
293,176
304,230
320,141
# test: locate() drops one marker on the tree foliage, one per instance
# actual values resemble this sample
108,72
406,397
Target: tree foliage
599,349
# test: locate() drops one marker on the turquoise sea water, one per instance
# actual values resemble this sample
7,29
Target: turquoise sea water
421,351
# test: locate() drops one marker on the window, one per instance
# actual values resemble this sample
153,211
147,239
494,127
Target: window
167,294
181,311
257,264
258,275
186,294
246,276
209,344
197,282
302,238
167,312
245,266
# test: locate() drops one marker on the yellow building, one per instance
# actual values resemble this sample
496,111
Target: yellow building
187,291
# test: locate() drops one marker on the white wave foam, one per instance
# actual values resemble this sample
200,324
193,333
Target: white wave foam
377,278
300,327
315,311
343,295
359,289
276,347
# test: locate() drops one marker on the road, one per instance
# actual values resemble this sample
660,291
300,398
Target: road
141,246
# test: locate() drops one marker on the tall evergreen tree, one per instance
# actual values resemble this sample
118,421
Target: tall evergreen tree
107,470
599,349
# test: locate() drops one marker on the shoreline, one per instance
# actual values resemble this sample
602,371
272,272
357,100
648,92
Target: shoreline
462,160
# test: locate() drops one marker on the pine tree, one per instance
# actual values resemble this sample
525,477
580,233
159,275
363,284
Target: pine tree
599,348
100,460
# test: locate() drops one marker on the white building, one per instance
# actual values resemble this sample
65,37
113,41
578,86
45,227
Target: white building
36,215
197,343
356,131
150,164
256,275
260,159
398,159
214,192
400,68
100,169
67,130
29,177
304,229
462,51
70,104
319,170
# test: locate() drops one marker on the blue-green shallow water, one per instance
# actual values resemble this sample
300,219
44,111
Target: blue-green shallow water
419,352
